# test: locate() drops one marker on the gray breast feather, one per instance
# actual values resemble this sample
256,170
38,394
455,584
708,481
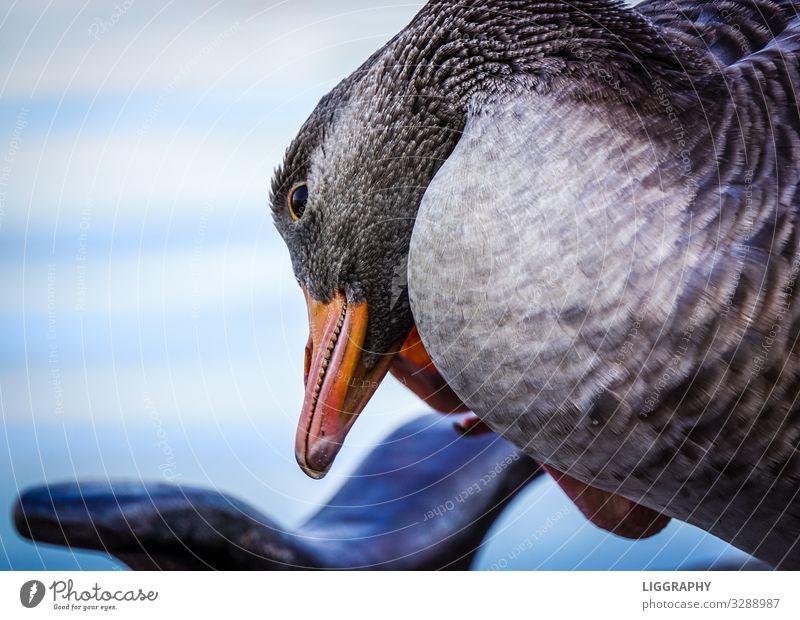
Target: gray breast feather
625,309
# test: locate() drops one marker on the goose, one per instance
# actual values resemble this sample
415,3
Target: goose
396,512
584,216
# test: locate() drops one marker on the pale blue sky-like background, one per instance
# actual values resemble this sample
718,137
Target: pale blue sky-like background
149,323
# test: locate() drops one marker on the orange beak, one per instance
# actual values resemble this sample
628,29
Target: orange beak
414,368
338,385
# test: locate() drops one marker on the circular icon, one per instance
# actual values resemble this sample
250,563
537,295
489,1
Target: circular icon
31,593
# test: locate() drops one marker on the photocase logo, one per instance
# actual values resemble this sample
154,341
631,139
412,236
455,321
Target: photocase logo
31,593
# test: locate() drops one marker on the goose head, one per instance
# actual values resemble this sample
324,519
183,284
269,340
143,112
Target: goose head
345,200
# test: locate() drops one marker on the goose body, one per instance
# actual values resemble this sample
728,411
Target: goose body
623,308
596,207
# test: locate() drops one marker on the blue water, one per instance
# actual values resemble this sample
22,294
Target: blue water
148,316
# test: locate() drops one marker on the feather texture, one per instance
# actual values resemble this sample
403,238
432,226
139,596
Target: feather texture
616,290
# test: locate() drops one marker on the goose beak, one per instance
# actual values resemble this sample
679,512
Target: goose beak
414,368
338,385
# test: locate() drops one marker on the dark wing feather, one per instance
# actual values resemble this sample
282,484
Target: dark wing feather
736,407
731,29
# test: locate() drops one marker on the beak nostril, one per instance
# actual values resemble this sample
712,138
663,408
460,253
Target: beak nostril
307,362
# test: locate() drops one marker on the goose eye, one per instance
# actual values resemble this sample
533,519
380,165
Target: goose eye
297,201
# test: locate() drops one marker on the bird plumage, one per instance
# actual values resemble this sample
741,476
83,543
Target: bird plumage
626,282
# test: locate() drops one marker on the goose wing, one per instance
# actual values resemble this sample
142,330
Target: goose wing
730,29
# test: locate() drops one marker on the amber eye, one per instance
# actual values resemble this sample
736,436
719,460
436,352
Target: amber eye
298,198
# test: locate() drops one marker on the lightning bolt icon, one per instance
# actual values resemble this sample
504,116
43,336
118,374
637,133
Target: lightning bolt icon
32,593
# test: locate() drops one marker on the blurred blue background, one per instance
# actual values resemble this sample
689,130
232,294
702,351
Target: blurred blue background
149,323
